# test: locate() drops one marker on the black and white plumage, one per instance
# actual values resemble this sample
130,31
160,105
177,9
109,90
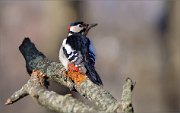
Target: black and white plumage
78,49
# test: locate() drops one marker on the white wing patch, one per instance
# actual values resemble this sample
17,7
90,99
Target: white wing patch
62,56
73,56
67,47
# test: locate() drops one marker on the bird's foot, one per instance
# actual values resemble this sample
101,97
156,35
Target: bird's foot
72,67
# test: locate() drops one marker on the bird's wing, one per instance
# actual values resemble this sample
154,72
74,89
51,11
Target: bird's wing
79,50
72,49
91,52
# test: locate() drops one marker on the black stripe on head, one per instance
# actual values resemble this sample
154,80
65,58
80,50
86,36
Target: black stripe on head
76,23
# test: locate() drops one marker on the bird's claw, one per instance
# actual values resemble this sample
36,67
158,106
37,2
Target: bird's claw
72,67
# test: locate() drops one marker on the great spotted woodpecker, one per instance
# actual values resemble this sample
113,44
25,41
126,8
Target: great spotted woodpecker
77,49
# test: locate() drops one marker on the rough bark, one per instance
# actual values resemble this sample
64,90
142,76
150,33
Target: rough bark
49,99
55,71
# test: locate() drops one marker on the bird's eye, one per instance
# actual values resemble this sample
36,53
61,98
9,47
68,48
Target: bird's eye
80,25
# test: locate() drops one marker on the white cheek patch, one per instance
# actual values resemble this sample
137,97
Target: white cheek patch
75,29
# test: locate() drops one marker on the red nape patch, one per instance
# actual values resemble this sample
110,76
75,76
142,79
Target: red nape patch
68,27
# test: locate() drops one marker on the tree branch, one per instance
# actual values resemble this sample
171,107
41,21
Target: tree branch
104,101
126,98
35,60
49,99
17,95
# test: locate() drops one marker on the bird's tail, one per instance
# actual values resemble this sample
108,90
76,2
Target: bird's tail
93,75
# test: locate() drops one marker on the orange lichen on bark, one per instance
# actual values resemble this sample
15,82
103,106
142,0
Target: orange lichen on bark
39,75
75,75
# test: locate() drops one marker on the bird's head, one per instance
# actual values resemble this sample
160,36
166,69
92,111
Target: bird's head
79,27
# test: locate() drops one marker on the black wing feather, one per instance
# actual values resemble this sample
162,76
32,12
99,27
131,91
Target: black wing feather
80,43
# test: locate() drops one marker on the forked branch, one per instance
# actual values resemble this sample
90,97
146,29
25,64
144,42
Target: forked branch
55,71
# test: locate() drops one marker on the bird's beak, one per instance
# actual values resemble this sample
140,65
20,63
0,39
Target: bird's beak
88,27
92,25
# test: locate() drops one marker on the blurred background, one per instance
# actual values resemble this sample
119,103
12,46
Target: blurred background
137,39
